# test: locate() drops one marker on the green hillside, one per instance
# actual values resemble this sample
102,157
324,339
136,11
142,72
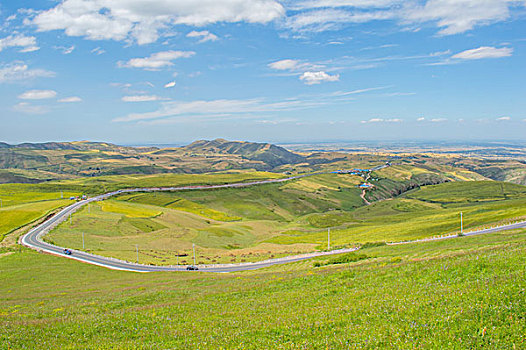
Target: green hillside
465,293
32,162
265,221
458,293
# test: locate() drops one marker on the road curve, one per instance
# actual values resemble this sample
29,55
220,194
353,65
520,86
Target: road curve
33,239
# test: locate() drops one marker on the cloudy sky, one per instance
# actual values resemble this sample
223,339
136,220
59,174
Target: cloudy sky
172,71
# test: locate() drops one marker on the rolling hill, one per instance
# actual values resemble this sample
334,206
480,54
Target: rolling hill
36,162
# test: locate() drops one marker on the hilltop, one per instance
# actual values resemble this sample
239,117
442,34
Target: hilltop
265,152
32,162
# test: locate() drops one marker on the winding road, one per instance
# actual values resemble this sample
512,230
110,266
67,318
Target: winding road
33,239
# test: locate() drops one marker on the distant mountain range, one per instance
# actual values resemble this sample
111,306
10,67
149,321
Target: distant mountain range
76,146
36,162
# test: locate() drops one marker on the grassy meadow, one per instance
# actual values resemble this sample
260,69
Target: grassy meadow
268,221
456,294
25,203
466,292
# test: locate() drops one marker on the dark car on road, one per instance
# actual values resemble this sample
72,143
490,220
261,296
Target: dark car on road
67,251
192,268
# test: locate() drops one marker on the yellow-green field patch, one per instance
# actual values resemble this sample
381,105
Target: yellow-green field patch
195,208
131,210
20,215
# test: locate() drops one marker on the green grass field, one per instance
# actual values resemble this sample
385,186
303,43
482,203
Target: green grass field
15,194
463,293
261,222
17,216
24,203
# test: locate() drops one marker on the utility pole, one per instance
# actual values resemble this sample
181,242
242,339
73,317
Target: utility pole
193,247
329,238
461,225
69,219
89,208
61,195
137,250
82,240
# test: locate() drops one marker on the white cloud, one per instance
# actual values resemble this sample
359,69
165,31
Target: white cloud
381,120
284,64
373,120
205,36
484,52
18,71
37,94
157,60
27,108
438,120
451,16
358,91
421,119
70,99
141,20
170,84
121,85
27,43
459,16
199,107
332,19
218,107
475,54
174,111
504,119
65,50
394,94
141,98
295,66
98,51
345,3
311,78
29,49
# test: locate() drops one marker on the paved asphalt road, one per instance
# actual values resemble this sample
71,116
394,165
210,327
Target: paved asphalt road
33,239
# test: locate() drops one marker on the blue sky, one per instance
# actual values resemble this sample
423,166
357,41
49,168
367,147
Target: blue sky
172,71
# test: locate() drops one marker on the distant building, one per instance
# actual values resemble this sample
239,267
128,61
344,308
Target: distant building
365,185
349,172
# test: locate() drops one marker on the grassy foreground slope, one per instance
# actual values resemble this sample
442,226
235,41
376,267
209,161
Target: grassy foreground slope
455,294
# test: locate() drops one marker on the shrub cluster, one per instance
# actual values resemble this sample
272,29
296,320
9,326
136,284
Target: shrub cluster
342,259
373,244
